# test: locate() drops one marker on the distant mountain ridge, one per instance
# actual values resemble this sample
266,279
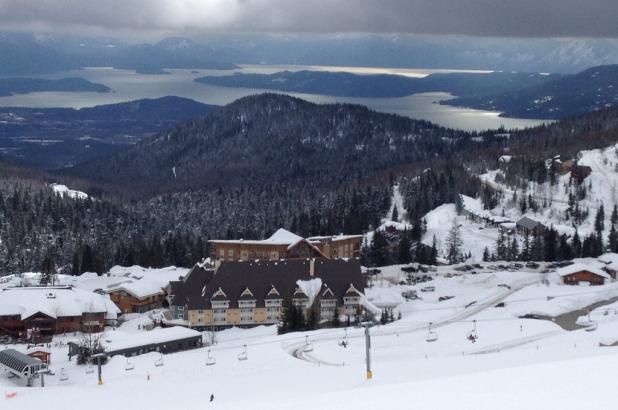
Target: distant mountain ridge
381,85
50,138
20,85
593,89
28,54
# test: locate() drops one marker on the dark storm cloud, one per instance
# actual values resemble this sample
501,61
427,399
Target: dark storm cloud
523,18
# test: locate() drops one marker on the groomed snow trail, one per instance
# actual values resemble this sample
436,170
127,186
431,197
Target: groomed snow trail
297,350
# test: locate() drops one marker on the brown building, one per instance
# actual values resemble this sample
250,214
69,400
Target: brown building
287,245
40,353
31,312
132,301
577,273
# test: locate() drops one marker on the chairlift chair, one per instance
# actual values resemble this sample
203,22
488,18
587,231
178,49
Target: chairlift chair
210,361
63,376
591,325
431,336
159,361
130,366
472,335
308,346
243,355
343,342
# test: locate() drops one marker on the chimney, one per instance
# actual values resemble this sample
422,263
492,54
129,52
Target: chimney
312,267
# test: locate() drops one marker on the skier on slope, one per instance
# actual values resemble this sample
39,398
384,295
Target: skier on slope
212,397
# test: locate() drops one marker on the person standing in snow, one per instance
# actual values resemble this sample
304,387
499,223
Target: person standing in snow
212,397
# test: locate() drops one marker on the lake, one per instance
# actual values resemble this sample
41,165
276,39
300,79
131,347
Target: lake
128,85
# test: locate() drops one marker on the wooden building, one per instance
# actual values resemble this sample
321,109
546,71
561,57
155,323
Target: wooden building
287,245
135,296
578,273
41,353
32,312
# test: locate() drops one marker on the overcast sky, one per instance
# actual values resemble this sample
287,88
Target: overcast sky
516,18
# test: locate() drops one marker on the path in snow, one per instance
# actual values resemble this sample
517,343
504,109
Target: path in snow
297,350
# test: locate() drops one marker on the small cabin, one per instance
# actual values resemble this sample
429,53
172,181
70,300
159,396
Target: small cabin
40,353
577,274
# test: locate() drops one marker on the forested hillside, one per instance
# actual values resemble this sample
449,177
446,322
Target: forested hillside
273,139
262,163
593,89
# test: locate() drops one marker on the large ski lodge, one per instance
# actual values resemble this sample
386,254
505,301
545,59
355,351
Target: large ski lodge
284,244
250,293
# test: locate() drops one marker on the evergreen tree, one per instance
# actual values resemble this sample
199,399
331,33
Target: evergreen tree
395,214
454,244
614,218
577,245
459,204
433,257
379,249
48,271
613,239
486,255
565,252
550,242
514,250
404,248
599,220
501,246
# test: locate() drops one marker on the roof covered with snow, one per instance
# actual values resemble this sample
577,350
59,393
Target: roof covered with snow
287,238
578,267
54,302
120,340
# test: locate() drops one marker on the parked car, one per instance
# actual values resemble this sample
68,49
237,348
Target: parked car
443,298
410,295
428,289
474,302
504,285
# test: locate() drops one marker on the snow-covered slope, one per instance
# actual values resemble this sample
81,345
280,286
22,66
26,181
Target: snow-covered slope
64,190
601,189
501,369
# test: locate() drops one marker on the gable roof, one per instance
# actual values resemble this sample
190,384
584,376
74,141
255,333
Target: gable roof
528,223
54,302
193,287
578,267
280,237
233,277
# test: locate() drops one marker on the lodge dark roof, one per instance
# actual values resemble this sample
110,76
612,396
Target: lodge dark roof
527,223
191,287
233,277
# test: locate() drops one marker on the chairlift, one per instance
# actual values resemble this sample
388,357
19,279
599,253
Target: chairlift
243,355
473,336
63,376
159,361
591,325
130,366
343,342
308,346
210,361
431,336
